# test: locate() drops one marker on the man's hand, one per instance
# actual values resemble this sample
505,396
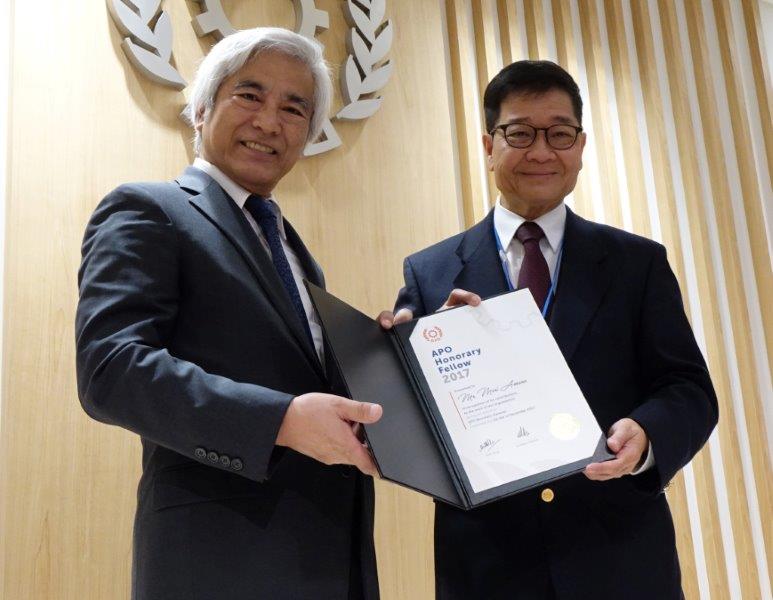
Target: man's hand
457,297
321,426
386,319
629,442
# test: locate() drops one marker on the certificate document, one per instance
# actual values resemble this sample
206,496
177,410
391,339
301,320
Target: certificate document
479,402
505,394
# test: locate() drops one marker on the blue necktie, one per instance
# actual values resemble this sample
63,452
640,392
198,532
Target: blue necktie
264,215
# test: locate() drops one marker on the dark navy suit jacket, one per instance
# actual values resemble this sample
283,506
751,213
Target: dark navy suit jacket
186,336
620,323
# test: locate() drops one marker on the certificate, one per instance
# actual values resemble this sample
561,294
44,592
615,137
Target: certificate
503,390
478,402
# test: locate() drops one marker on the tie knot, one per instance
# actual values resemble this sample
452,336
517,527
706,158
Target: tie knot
260,208
528,232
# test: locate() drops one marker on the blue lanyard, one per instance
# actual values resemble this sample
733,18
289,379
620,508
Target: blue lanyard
506,270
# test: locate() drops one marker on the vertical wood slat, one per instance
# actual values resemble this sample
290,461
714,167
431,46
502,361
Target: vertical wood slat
465,85
616,152
489,63
591,173
508,31
629,127
762,77
653,106
598,100
566,55
548,23
486,24
532,15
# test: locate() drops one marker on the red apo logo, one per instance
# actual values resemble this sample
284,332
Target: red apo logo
433,334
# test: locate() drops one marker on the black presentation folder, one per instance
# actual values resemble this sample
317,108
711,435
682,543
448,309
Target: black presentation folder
410,444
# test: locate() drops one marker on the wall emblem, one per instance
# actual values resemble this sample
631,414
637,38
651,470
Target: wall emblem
148,46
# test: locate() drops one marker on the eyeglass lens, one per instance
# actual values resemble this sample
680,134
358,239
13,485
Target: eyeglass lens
521,135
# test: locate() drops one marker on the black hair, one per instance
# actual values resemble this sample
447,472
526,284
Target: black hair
528,77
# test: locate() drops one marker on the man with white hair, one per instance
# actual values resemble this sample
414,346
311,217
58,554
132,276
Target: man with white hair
194,330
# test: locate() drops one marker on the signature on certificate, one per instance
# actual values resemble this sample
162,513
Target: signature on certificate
488,444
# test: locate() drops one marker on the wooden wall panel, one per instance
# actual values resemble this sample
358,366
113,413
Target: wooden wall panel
468,109
85,121
660,163
716,540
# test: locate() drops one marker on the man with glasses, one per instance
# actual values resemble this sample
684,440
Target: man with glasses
614,307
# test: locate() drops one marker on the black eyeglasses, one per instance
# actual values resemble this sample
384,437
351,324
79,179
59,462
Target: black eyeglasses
522,135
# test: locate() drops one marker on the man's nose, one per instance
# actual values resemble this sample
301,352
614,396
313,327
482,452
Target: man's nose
540,150
266,118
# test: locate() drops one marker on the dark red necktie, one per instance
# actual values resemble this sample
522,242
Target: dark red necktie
534,274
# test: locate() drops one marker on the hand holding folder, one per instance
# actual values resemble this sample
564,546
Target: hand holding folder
478,401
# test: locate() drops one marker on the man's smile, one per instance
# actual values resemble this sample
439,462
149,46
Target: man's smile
259,147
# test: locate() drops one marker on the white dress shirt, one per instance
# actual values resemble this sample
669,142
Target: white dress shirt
552,223
239,195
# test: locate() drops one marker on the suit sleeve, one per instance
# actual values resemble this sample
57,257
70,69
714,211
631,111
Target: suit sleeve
680,409
410,296
127,375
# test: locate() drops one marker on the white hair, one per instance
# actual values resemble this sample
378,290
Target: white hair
234,51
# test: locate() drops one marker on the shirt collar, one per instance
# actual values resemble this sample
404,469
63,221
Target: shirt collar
236,192
552,223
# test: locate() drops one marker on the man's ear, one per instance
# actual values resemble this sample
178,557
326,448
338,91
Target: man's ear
198,119
488,147
582,139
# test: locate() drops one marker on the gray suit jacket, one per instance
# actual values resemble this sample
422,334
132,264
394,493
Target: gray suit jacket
186,336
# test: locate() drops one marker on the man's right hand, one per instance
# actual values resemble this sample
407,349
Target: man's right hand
320,426
457,297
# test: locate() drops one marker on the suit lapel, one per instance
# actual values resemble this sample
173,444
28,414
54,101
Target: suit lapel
210,199
481,269
586,272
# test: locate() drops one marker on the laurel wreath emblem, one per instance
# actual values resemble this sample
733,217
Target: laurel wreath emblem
368,42
148,45
149,49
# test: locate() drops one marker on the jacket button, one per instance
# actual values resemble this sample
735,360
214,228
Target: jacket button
213,457
225,461
236,464
547,495
200,453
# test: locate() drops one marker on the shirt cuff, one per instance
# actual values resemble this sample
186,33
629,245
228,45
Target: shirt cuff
648,462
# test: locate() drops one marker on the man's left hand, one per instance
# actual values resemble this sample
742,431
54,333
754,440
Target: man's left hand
629,442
